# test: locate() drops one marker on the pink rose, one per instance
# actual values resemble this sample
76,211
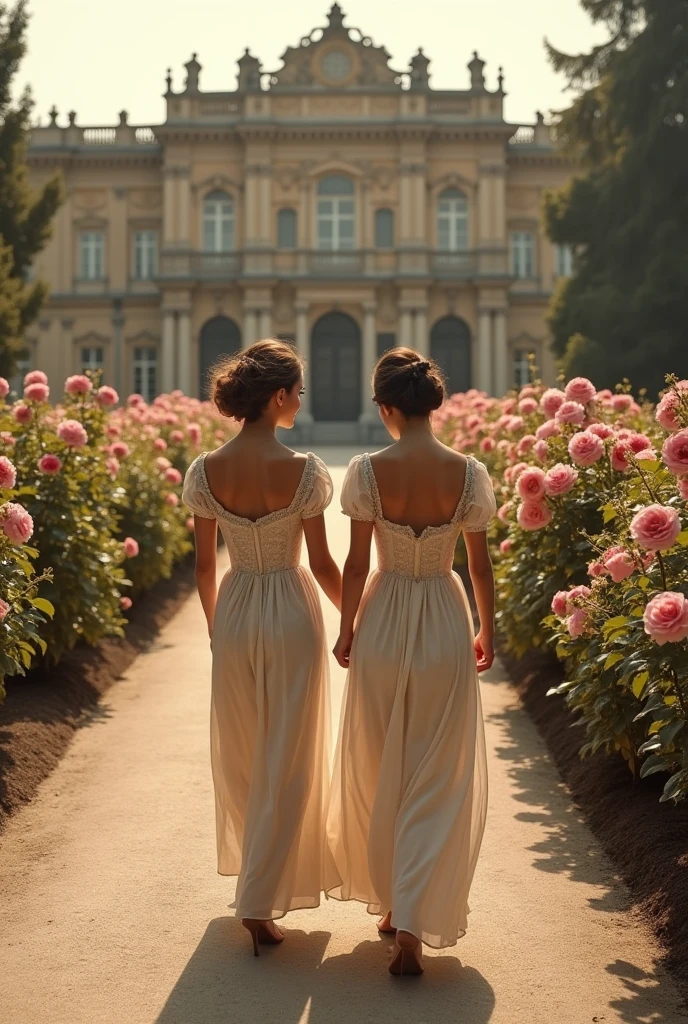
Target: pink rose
527,406
49,464
541,450
173,476
586,448
639,443
531,484
515,424
666,617
112,466
621,403
560,479
656,527
35,377
176,437
134,400
575,594
16,522
619,564
559,603
160,444
533,515
505,546
8,474
125,603
647,455
577,622
119,449
112,430
675,452
4,609
37,392
195,433
683,487
190,525
667,407
619,455
72,433
162,463
131,547
596,569
580,389
21,412
550,428
602,430
570,412
528,391
525,444
79,384
4,387
107,395
504,511
551,401
172,499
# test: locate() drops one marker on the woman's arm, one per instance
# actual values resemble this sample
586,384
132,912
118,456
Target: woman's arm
356,569
205,532
482,578
323,565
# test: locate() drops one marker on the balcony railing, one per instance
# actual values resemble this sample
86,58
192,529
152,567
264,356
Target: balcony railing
204,266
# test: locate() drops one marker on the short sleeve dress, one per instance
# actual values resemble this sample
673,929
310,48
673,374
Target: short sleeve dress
409,793
269,721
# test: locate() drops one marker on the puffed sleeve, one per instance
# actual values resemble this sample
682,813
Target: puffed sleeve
321,492
357,500
195,492
482,504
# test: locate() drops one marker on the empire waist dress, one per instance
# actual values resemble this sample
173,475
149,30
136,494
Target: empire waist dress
409,793
269,716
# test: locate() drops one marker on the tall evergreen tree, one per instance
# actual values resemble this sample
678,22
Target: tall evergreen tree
624,312
25,215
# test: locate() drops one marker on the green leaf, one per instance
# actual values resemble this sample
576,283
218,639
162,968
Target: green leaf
608,513
613,659
43,605
650,465
618,620
638,684
643,583
682,539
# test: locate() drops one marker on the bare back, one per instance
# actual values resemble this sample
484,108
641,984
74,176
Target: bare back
253,480
419,485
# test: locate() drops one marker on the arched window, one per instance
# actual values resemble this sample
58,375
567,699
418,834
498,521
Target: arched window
384,229
218,222
452,221
220,336
450,347
286,229
336,213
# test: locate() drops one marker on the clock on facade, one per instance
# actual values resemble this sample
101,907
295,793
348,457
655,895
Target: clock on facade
336,65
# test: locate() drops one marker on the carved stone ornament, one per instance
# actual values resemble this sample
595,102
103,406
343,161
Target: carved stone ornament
145,199
90,200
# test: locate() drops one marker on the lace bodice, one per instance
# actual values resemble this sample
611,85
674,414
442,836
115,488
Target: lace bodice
399,550
273,542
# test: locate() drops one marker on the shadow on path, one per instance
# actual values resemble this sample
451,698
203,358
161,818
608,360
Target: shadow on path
294,983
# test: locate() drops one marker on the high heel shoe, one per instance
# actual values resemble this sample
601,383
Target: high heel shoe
406,956
261,931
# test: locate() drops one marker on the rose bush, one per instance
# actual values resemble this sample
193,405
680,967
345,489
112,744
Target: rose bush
592,536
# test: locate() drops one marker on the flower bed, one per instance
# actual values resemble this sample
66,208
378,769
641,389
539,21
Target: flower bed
90,511
592,537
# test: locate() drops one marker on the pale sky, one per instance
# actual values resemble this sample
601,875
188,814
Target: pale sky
99,57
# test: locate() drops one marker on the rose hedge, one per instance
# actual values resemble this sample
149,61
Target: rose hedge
592,541
96,490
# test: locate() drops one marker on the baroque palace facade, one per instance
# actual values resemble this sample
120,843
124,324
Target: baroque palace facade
335,202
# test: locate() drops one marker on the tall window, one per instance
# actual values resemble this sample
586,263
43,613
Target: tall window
336,213
145,372
384,341
563,260
522,361
286,229
145,255
522,248
92,358
384,229
218,222
452,221
91,260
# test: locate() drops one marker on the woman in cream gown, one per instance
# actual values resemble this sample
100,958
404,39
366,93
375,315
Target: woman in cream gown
409,793
269,719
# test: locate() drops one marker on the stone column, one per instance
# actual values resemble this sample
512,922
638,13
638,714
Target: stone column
250,332
302,344
184,343
265,322
117,348
169,227
422,342
167,352
368,410
406,328
117,255
184,208
502,372
484,381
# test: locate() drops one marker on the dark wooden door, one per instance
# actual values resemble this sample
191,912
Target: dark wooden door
336,368
450,347
219,337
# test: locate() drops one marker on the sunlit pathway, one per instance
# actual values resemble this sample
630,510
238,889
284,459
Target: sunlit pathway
111,911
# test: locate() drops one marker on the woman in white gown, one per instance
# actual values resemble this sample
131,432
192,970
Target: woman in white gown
409,794
269,721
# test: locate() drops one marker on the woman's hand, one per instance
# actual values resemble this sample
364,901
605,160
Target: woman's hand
342,649
484,650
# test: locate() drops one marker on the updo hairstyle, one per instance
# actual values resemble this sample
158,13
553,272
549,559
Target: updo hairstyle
404,380
243,384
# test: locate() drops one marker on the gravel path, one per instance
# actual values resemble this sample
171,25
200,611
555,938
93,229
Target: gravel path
111,911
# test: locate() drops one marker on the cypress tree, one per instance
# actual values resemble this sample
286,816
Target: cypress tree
25,215
624,311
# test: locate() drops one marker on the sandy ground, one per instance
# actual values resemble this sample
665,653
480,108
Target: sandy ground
111,911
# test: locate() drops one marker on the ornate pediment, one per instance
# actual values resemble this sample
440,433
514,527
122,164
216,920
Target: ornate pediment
335,57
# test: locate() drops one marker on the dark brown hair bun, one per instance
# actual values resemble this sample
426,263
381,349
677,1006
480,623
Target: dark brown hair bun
243,384
405,380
